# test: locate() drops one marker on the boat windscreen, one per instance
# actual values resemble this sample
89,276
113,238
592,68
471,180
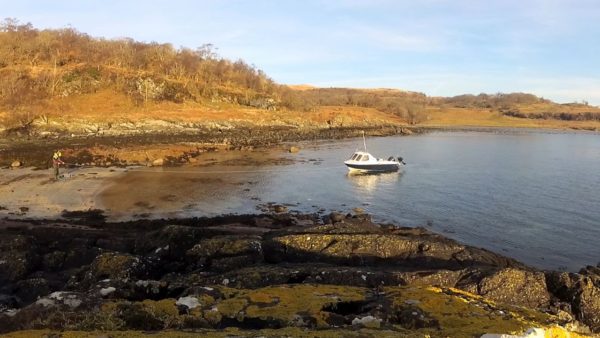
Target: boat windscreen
365,158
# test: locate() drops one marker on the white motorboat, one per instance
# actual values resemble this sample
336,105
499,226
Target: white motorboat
364,162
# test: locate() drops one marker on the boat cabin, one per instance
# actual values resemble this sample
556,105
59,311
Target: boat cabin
360,156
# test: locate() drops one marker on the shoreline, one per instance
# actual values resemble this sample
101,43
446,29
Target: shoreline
100,149
106,150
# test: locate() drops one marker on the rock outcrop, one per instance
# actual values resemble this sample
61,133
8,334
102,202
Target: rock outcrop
580,293
277,271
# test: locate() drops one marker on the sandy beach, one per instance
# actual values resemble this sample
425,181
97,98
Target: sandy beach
33,193
126,193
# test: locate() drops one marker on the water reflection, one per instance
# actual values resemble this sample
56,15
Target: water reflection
369,182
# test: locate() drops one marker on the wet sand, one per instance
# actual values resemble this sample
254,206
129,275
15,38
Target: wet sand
132,192
31,193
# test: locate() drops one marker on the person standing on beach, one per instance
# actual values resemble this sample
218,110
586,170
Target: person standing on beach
56,162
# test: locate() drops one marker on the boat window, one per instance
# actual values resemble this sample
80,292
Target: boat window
354,157
365,158
358,157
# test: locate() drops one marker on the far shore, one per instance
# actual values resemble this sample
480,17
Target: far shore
178,147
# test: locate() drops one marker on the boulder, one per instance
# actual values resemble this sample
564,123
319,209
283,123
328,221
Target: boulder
53,261
581,291
225,253
356,244
358,210
294,149
279,208
58,309
158,162
18,257
335,217
587,304
412,317
172,241
227,246
16,164
406,131
118,266
513,286
28,290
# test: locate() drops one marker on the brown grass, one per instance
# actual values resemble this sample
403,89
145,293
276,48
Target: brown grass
110,106
458,117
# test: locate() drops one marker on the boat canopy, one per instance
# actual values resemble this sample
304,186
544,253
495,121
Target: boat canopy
360,156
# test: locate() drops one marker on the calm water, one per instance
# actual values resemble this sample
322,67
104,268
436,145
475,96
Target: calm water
530,195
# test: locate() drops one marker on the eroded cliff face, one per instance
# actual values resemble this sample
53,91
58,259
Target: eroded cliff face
278,273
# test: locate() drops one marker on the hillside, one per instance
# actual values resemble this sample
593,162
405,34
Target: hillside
62,81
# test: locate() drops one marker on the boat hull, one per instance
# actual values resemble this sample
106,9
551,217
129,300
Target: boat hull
373,167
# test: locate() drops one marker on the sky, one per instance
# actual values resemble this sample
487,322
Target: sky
550,48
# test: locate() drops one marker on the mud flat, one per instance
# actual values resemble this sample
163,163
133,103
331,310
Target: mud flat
273,274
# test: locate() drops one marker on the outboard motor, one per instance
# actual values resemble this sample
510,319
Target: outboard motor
401,160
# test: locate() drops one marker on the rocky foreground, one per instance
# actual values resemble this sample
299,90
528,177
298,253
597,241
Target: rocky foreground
273,275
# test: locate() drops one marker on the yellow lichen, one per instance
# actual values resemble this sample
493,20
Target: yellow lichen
113,265
232,307
559,332
213,316
260,297
285,302
108,307
461,314
164,307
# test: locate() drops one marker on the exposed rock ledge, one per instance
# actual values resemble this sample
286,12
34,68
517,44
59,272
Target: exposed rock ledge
179,144
282,274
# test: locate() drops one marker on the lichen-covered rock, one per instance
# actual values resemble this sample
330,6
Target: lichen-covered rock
513,286
28,290
17,257
439,277
412,317
277,272
172,241
54,260
118,266
391,248
68,310
78,255
226,246
415,311
581,292
336,217
225,253
587,304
